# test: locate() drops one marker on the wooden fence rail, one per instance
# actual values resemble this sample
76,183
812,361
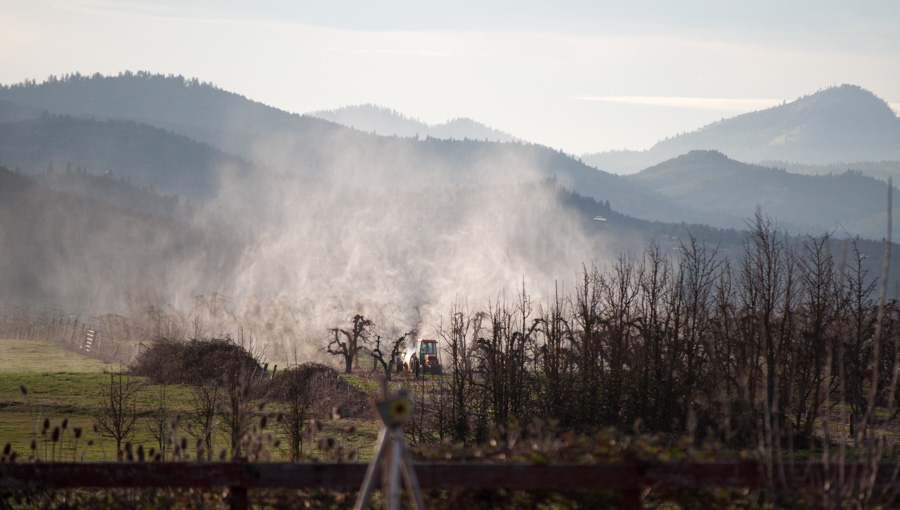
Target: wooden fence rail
629,478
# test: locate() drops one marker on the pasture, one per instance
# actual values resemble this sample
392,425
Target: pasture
44,386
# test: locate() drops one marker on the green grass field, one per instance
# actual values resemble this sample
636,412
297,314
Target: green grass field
66,385
60,385
44,356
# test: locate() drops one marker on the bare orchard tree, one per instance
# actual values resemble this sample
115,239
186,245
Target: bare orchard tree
117,413
205,404
556,360
241,378
294,390
353,340
456,339
162,421
504,358
769,292
590,356
817,335
855,354
393,357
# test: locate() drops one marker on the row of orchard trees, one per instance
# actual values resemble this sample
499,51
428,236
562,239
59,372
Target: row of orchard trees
752,350
758,348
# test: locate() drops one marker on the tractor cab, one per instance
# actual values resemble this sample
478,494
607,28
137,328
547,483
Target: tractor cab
427,347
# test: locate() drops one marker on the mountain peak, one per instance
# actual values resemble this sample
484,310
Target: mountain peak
847,102
692,164
846,123
702,154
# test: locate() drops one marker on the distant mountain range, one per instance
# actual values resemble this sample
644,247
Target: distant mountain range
230,128
286,201
387,122
839,124
180,137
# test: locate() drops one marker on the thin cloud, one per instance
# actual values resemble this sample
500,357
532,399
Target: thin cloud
135,9
147,11
414,53
698,103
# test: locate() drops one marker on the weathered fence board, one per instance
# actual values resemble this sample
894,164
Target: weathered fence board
629,478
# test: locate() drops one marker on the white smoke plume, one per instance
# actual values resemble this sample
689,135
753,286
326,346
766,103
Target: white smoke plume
396,242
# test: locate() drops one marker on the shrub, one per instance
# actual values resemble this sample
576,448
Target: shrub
196,362
324,386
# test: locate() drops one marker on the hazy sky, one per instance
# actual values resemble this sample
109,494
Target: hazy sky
581,76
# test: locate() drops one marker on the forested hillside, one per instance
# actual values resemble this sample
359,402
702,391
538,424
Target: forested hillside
140,153
117,191
804,204
66,246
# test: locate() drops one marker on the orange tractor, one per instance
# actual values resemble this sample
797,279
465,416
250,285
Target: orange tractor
423,356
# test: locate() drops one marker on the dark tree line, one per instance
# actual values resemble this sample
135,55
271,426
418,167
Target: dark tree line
757,350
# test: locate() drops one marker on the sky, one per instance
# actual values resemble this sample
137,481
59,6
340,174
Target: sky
579,76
